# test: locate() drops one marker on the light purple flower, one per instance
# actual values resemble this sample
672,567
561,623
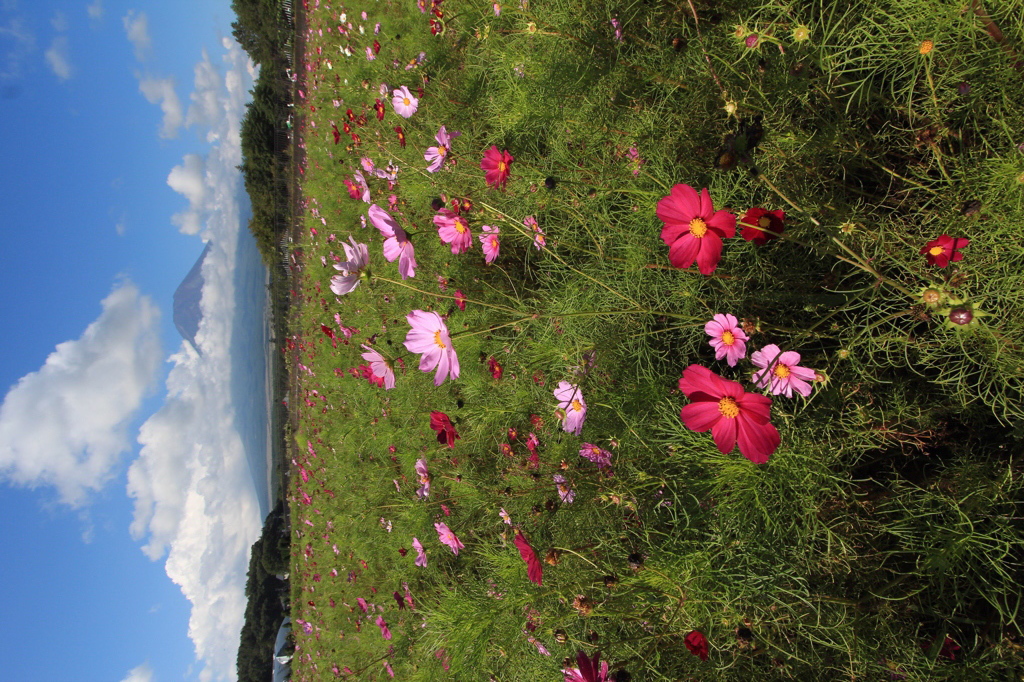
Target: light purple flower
424,475
370,56
453,229
396,242
570,400
404,103
490,244
599,456
780,372
497,9
429,336
351,270
437,155
447,537
566,493
727,338
618,29
380,366
421,555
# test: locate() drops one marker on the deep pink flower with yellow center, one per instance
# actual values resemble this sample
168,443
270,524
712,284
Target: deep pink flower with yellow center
453,229
497,166
490,243
727,338
429,336
730,413
693,229
945,249
448,537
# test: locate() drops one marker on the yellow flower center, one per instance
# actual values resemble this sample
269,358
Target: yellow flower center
728,338
764,221
577,405
936,250
494,242
441,150
728,408
698,228
460,226
405,101
926,47
502,166
438,341
781,371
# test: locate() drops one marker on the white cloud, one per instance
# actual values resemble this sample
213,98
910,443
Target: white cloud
59,21
136,25
57,58
194,498
162,90
66,425
16,42
95,10
142,673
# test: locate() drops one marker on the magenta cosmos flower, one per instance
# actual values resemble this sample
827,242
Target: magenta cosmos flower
429,336
404,103
453,229
439,154
730,413
694,230
380,366
587,669
421,554
447,537
497,166
570,400
780,371
396,242
598,455
490,244
352,269
945,249
383,625
727,338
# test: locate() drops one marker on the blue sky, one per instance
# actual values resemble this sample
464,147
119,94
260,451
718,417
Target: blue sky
126,507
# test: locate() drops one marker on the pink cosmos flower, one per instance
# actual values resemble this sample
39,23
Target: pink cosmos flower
944,250
730,413
447,537
453,229
570,399
437,155
404,103
429,336
396,242
599,456
362,604
370,56
496,166
421,555
780,371
587,669
505,517
693,228
539,237
727,338
565,493
363,187
351,270
380,367
424,476
489,243
383,625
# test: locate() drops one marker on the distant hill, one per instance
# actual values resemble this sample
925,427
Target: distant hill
187,313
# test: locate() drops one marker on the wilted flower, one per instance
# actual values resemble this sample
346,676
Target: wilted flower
494,367
780,371
697,644
403,102
727,338
693,229
570,399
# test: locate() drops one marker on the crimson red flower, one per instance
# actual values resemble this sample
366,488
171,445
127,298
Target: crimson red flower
327,330
376,47
534,569
773,221
944,249
495,368
730,413
378,106
693,228
497,166
446,433
401,136
697,643
336,133
351,114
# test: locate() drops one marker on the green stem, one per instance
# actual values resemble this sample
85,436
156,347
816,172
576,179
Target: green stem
446,296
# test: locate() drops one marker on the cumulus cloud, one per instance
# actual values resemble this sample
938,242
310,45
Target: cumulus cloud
95,10
66,425
57,58
142,673
136,25
161,90
194,498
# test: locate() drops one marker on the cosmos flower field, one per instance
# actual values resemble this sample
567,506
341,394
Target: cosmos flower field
658,341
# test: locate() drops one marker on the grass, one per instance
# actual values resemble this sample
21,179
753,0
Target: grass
884,530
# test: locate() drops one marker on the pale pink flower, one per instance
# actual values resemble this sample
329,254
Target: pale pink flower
351,270
429,336
396,242
539,238
453,229
727,338
404,103
490,244
421,555
780,372
380,366
505,517
370,56
424,476
362,186
447,537
570,399
437,155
